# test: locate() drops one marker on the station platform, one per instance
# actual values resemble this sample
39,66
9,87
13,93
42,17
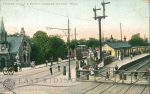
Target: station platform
116,77
126,60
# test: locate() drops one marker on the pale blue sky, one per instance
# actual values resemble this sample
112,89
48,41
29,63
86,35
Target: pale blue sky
37,14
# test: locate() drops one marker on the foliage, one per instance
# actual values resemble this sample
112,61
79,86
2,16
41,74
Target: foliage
57,47
45,47
82,42
40,47
136,40
73,44
92,42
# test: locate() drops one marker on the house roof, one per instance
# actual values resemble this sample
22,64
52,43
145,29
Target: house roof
119,45
15,43
2,27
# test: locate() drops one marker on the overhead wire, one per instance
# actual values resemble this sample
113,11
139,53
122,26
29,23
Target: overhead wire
58,14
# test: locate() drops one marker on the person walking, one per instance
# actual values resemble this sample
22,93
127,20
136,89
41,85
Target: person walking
58,67
107,75
131,56
46,63
51,70
116,69
135,74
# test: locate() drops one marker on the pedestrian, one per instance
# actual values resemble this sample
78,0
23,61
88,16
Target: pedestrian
135,75
131,56
51,70
58,67
91,70
20,68
107,75
46,62
116,69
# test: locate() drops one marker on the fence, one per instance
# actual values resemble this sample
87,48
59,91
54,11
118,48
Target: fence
111,75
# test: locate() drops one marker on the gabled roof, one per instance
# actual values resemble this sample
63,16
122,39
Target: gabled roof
119,45
2,27
15,43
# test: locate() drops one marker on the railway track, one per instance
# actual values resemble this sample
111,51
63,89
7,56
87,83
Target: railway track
138,66
129,89
118,88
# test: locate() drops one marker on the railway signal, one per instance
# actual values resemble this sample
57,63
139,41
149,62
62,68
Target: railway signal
99,20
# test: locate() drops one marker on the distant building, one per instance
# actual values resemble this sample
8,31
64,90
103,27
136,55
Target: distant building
117,49
12,47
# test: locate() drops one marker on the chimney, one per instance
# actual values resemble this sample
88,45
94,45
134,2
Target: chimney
124,38
111,38
22,32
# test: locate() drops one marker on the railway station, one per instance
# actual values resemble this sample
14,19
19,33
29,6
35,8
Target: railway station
75,47
139,63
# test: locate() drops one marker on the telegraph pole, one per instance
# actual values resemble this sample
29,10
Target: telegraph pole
121,31
75,34
0,6
99,21
149,20
68,40
69,75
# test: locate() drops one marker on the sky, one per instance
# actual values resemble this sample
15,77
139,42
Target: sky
36,15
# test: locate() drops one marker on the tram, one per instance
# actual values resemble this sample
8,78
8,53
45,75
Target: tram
81,51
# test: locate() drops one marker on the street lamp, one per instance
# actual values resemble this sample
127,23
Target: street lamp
68,39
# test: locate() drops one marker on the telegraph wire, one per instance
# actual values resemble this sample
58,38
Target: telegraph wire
57,14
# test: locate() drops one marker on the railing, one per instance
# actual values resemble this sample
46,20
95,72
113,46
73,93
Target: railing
111,75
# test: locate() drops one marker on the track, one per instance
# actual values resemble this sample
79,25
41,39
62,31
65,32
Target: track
115,88
138,65
118,88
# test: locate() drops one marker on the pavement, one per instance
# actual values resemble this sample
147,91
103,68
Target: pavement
37,67
40,81
126,60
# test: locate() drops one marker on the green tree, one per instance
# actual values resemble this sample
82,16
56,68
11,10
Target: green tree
136,40
73,44
92,42
57,47
82,42
40,47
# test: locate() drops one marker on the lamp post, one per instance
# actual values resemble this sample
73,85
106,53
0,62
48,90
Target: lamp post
69,75
68,39
17,62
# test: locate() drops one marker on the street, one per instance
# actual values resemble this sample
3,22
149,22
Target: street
39,77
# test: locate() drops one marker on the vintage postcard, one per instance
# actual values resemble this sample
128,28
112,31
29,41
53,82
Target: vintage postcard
74,46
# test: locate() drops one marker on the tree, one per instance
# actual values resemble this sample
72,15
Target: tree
45,47
73,44
92,42
136,40
40,47
57,47
82,42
